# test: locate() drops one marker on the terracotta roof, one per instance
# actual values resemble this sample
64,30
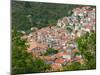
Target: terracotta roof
75,50
61,61
36,45
61,54
56,66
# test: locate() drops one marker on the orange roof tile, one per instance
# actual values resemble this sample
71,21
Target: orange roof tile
56,66
75,50
61,61
59,54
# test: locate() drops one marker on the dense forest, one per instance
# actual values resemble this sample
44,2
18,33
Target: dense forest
27,14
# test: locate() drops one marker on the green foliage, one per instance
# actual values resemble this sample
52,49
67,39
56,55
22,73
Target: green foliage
87,46
51,51
72,66
40,66
42,14
23,62
77,53
69,28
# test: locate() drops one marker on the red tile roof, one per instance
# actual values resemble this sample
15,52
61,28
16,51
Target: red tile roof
56,66
75,50
61,54
61,61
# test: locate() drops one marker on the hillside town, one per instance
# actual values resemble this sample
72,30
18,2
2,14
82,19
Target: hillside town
62,38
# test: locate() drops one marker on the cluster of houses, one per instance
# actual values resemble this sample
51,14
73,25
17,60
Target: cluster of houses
59,38
82,20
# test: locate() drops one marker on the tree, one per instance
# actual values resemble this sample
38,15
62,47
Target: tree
72,66
23,62
87,46
51,51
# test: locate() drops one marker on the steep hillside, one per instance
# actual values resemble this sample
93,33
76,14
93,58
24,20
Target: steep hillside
35,14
